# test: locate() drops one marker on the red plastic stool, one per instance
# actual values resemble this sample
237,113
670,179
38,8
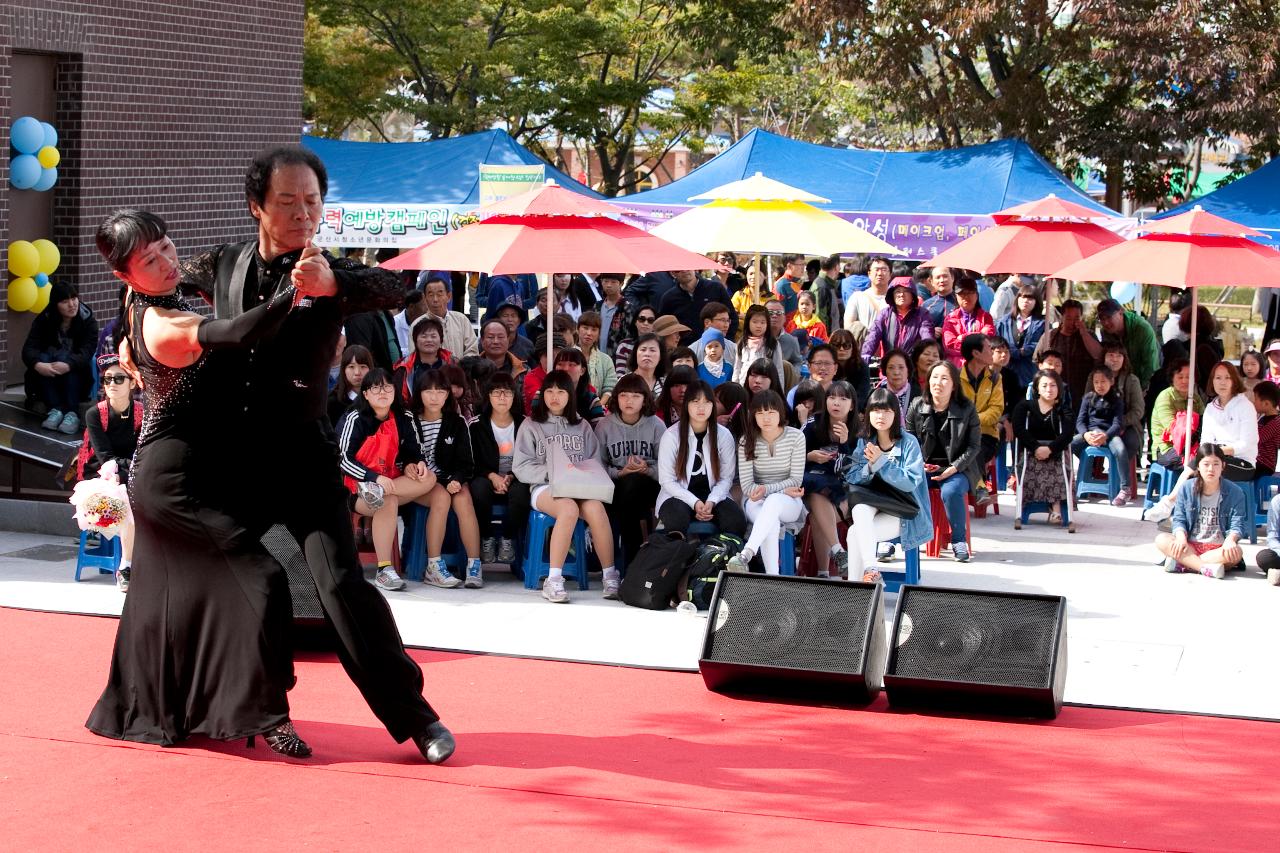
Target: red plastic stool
993,481
941,528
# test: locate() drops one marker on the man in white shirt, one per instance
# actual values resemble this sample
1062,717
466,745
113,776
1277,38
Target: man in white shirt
864,305
459,338
414,306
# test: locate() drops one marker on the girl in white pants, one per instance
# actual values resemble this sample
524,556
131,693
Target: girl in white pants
770,470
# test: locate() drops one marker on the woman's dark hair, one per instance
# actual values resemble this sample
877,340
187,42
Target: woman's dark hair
575,356
124,232
698,390
1104,372
955,380
807,391
1206,450
845,369
424,322
918,350
744,332
1256,356
376,376
680,375
632,383
765,401
1037,310
732,397
1206,325
432,380
822,418
683,352
1173,365
906,359
501,380
765,367
1237,384
1045,374
884,400
563,381
356,353
456,375
258,178
661,369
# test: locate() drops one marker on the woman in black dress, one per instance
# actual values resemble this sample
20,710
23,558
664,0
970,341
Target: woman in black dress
202,644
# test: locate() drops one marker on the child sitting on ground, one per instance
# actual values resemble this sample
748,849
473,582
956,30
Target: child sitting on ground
1100,424
1266,399
1208,520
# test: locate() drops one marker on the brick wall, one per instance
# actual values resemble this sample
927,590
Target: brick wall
159,105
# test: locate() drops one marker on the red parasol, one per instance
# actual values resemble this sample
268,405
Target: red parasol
1049,207
551,199
1027,246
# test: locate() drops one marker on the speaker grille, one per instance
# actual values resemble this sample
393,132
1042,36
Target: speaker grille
809,626
979,638
280,544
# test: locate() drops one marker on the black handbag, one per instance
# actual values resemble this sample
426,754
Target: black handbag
884,498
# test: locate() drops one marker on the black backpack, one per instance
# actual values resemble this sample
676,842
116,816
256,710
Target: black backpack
711,559
654,576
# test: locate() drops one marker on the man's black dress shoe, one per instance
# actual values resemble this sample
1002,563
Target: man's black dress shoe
435,742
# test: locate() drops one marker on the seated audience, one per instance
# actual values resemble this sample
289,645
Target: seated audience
495,345
697,461
756,342
732,401
1269,557
924,355
649,360
771,461
1043,430
428,354
1132,398
714,369
668,405
682,357
806,317
356,362
885,450
629,437
572,362
946,425
1022,330
1266,399
966,319
58,354
1252,370
600,370
555,420
900,325
828,439
896,378
111,435
1208,519
982,387
493,444
644,320
1101,424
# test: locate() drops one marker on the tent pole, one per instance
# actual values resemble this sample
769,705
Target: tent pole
1192,386
755,290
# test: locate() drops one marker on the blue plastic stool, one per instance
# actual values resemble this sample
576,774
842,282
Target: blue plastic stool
1002,466
1160,481
413,547
537,542
1046,507
893,581
105,556
1262,497
787,554
1250,509
701,529
1087,485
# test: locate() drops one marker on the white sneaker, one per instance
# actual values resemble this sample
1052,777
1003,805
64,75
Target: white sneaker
884,551
611,585
1171,565
553,590
388,579
1213,570
1161,510
475,576
437,575
1273,577
489,550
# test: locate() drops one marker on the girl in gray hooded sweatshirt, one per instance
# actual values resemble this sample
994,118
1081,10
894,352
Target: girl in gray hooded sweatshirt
555,420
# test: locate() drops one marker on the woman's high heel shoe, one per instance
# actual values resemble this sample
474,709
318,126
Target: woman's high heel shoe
284,740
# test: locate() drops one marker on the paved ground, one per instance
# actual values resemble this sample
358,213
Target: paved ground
1138,637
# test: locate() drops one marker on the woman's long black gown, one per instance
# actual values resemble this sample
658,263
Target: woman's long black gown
202,646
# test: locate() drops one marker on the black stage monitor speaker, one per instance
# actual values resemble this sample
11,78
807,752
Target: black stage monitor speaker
798,637
969,650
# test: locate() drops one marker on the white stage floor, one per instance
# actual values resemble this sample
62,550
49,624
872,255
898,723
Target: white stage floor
1137,637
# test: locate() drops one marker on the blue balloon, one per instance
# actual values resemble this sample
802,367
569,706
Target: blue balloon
1125,291
48,177
41,279
24,171
50,135
26,135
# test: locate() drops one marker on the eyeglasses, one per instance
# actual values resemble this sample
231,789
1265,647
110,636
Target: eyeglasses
822,364
115,379
501,392
380,389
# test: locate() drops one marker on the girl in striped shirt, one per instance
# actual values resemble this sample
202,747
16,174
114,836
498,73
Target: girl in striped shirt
771,459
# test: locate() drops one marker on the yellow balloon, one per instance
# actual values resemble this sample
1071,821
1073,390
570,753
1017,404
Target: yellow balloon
50,257
48,156
42,299
24,259
22,294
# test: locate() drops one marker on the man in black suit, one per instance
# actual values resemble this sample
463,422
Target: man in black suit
278,391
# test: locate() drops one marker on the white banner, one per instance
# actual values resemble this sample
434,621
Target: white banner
404,226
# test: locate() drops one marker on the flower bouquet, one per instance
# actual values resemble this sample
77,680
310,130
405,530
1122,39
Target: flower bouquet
102,504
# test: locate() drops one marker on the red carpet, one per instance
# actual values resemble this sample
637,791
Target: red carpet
588,756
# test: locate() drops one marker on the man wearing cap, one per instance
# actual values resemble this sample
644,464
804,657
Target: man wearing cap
967,319
1133,331
684,302
670,331
459,339
512,315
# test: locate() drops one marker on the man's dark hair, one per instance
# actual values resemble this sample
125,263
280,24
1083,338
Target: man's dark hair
971,344
1106,307
1267,390
1069,304
413,297
788,260
710,311
830,262
1048,353
124,232
258,178
898,269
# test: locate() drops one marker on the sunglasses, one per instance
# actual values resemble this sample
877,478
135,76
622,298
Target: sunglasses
116,379
645,319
